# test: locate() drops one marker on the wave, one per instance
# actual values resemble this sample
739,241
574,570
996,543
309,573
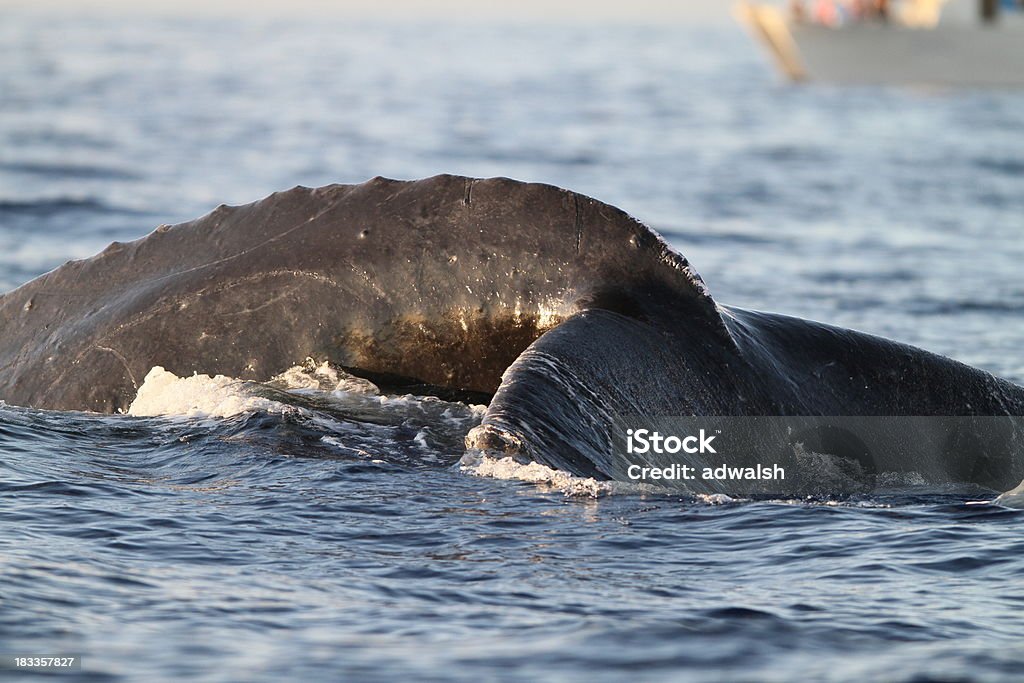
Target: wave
199,396
330,412
50,206
1008,166
58,170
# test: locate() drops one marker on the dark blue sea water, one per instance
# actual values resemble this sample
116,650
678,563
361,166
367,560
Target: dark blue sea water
270,545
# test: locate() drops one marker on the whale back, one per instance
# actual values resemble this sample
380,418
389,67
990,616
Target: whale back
570,395
444,281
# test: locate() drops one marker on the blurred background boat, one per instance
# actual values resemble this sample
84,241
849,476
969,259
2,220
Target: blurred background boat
946,43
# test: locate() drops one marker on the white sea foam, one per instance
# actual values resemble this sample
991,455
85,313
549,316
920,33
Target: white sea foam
323,377
482,464
164,393
1013,498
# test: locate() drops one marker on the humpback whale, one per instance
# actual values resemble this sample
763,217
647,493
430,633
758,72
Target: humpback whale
562,311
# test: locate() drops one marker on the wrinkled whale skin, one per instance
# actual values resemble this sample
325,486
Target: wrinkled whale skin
445,280
566,309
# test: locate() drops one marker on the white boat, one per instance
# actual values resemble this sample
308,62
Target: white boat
960,43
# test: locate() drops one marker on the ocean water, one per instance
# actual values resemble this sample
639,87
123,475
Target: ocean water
334,535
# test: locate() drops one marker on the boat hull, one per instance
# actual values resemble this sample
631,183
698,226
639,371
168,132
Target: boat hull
947,55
